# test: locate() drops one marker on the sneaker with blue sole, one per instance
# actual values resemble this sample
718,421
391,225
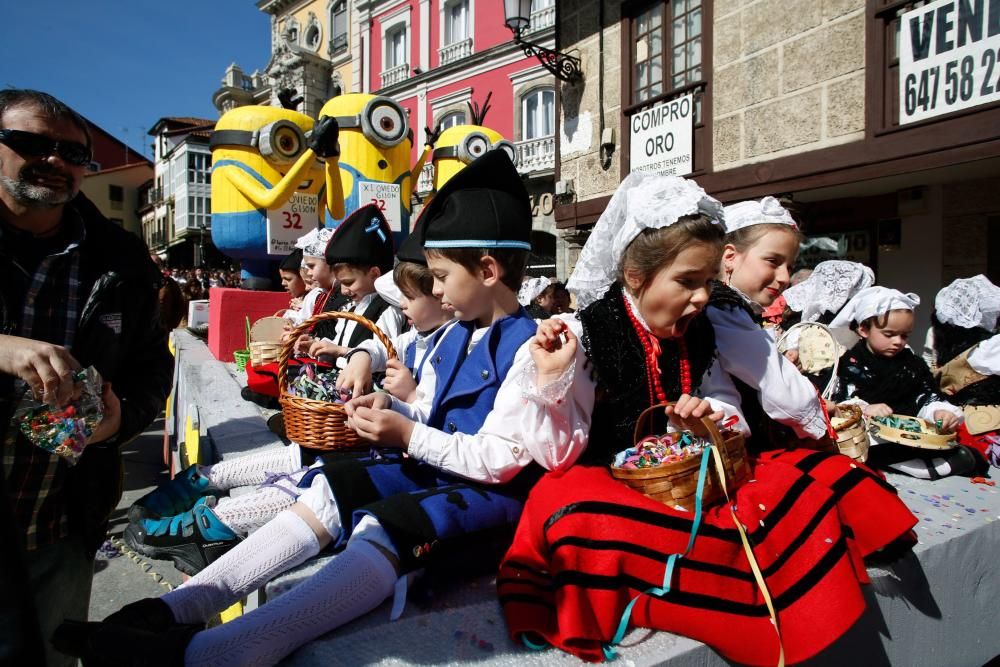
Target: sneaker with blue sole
192,539
176,496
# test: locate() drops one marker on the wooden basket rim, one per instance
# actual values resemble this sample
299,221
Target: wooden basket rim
852,419
925,440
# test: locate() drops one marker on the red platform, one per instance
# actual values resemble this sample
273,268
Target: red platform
228,309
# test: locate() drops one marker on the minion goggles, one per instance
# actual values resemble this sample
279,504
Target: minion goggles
281,141
475,145
382,121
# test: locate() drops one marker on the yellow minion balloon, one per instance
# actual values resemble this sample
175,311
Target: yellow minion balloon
374,163
461,144
265,187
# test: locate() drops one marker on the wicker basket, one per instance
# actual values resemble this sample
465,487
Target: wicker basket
675,484
852,433
319,424
241,357
928,438
265,339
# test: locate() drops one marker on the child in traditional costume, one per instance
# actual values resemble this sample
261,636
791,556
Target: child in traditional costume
968,359
291,278
883,375
761,244
588,546
462,485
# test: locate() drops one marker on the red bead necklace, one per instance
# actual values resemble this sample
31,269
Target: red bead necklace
651,348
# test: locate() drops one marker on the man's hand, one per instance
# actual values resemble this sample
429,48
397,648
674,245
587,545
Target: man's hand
877,410
399,381
552,349
357,376
689,406
48,369
323,139
112,421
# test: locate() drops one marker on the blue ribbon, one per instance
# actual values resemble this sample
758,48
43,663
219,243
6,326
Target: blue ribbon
375,226
609,651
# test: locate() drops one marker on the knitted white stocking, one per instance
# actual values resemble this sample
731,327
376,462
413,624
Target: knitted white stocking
252,469
349,586
276,547
246,513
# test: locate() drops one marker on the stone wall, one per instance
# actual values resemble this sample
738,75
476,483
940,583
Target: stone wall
971,215
789,77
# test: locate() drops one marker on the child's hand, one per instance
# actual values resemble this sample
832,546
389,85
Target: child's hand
878,410
552,350
690,406
376,401
386,427
399,381
326,347
302,344
945,421
831,406
357,376
793,356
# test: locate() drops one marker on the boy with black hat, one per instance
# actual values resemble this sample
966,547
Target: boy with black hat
359,251
463,484
290,271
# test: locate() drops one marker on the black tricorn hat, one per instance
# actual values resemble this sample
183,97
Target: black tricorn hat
363,238
485,205
292,262
410,250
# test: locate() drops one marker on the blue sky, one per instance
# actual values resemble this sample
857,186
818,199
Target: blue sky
124,64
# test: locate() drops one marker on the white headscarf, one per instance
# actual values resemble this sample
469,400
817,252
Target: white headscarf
829,287
531,288
313,243
873,302
767,211
969,303
642,201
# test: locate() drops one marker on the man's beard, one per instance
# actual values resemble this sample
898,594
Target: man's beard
38,196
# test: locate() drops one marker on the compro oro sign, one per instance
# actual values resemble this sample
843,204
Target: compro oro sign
661,139
948,57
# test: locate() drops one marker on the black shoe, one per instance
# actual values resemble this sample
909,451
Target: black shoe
192,539
151,614
121,646
276,423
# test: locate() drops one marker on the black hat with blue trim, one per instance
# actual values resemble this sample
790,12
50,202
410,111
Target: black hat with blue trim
411,250
363,239
485,205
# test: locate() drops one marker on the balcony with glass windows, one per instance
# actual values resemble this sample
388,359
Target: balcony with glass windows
455,51
535,155
396,74
425,183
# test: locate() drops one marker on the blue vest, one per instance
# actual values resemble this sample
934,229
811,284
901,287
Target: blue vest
467,385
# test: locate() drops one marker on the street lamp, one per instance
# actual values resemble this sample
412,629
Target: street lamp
517,17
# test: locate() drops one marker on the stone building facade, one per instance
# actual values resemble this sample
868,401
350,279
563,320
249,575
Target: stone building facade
800,100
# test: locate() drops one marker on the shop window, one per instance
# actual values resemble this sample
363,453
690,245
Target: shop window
538,114
452,119
668,51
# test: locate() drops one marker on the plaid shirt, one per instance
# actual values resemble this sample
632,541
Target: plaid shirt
50,311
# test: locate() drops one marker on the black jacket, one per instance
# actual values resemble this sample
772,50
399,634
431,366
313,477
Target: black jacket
121,282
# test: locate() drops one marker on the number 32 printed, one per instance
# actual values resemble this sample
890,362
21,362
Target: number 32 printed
292,220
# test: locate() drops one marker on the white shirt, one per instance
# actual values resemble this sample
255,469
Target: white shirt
748,352
391,321
297,317
502,447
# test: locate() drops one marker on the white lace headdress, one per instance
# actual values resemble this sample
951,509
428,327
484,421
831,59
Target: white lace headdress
642,201
531,288
969,303
829,287
767,211
314,242
873,302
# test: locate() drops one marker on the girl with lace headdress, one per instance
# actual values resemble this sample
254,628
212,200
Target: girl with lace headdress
588,547
968,359
777,402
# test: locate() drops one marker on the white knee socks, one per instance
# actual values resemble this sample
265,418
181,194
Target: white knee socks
278,546
246,513
252,469
352,584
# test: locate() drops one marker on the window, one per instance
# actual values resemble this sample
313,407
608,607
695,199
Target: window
452,119
313,36
338,27
199,167
116,196
456,21
538,114
395,47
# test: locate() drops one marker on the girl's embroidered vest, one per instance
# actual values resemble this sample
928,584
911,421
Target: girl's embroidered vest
616,358
467,384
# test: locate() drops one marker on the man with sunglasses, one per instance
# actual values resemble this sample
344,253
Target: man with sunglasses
75,291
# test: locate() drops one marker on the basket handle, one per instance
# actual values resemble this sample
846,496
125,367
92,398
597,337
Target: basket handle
703,427
286,347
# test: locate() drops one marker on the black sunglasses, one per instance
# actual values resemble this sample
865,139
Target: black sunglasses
29,143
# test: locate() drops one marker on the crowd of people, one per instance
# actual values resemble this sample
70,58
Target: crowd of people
495,430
